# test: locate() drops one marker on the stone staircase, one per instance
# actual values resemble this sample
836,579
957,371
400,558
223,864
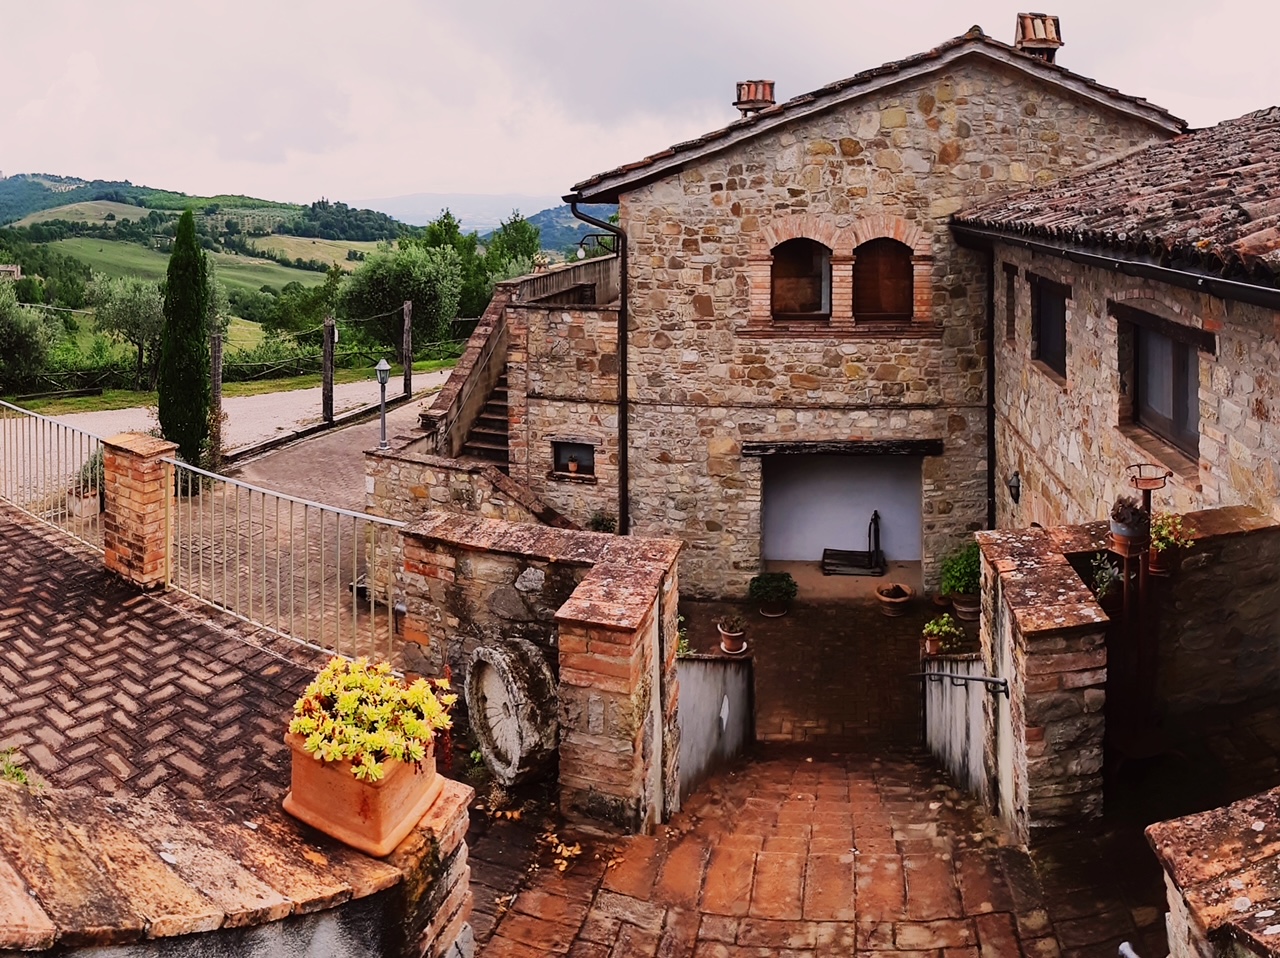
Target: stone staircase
487,439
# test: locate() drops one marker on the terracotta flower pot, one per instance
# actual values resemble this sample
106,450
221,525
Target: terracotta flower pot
773,610
373,817
732,643
1126,540
894,597
932,645
84,504
967,607
1161,561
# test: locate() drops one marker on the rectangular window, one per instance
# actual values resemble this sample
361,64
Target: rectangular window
1049,323
1010,300
574,458
1167,393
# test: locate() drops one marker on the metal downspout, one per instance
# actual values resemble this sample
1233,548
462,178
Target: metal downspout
624,458
991,387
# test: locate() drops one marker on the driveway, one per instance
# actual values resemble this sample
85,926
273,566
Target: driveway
253,419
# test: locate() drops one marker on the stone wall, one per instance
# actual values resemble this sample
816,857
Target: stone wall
562,385
406,484
603,611
1045,633
1070,443
1217,615
703,380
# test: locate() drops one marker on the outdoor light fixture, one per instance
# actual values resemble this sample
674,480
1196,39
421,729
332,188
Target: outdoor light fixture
384,375
1015,487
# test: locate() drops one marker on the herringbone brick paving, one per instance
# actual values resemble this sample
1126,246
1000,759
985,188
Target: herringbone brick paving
121,692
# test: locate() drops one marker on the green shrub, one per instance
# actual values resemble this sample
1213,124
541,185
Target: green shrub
772,587
962,572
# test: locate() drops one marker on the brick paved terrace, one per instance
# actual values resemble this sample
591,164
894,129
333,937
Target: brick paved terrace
106,688
810,853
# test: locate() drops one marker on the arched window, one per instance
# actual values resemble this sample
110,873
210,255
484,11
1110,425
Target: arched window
882,282
801,280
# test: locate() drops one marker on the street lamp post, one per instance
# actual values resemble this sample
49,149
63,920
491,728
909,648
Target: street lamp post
384,376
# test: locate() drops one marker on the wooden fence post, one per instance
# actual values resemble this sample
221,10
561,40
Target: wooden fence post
326,389
407,348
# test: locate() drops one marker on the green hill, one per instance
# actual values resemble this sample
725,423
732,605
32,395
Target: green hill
559,229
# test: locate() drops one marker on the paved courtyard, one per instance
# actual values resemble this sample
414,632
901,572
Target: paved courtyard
820,854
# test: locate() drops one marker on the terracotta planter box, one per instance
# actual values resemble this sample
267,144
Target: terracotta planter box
373,817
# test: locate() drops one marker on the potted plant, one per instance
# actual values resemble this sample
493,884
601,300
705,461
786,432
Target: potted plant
962,580
1130,525
1106,583
84,499
364,768
733,630
1167,537
893,597
942,634
774,591
573,464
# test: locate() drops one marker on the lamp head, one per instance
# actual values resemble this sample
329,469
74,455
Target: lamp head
384,371
1015,487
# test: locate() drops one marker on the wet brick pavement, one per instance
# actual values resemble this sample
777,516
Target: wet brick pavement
120,692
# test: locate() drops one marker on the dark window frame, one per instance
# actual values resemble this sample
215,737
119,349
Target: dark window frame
905,257
813,316
1045,349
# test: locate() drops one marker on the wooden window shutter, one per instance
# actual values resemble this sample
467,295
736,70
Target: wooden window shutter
882,281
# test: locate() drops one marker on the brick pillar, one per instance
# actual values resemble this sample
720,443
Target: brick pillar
605,723
922,288
842,291
760,271
134,532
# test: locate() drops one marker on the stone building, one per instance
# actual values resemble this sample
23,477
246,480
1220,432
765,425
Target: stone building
806,341
1137,307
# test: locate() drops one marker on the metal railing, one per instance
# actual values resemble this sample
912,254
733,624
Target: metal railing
317,574
52,472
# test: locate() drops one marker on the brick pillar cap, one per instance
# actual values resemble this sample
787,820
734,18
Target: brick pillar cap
140,444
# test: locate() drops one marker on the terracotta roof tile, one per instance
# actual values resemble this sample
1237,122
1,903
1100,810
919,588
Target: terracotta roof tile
1207,201
974,38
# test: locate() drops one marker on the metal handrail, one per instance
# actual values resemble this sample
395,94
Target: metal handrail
49,419
996,686
381,520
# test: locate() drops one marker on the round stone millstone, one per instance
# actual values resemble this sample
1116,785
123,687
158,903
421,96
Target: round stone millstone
512,707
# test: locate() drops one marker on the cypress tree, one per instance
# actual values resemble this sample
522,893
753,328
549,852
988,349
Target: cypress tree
184,351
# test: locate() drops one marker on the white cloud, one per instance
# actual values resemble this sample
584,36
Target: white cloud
293,100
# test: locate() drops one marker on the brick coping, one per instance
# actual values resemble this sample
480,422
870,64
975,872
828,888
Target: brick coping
84,870
1225,863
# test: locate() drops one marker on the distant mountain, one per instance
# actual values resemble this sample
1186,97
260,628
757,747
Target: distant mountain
560,229
477,212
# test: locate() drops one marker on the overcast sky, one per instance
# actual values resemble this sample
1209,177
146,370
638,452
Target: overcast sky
294,100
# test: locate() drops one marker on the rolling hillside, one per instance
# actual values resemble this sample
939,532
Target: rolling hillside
132,259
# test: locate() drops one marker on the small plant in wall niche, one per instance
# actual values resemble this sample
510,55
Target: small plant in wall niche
573,463
363,757
602,522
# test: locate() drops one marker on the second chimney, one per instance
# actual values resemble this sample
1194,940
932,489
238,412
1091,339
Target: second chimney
1038,35
754,96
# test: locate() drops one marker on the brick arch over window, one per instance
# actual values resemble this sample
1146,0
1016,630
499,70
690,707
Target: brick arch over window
841,241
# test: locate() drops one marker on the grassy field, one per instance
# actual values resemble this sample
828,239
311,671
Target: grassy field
331,251
132,259
128,399
93,211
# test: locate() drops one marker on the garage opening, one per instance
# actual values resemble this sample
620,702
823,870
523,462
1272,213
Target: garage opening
814,502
